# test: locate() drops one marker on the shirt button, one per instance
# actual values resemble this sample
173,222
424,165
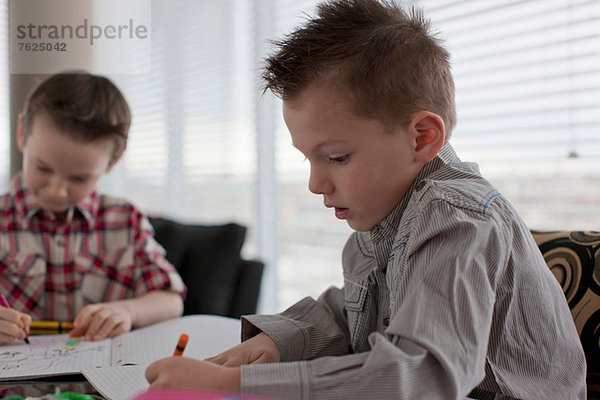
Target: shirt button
386,321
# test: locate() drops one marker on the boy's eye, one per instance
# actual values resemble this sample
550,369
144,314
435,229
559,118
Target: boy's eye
43,169
339,159
78,179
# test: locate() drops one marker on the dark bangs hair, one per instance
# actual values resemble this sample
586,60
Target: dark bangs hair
86,107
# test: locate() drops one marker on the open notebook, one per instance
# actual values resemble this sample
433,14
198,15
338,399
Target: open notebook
115,367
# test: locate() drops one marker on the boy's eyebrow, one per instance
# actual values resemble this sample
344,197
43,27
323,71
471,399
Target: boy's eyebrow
81,176
40,161
324,143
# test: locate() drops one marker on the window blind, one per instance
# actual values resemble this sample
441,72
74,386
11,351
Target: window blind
527,77
190,154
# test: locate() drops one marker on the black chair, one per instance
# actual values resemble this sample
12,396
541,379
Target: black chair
218,279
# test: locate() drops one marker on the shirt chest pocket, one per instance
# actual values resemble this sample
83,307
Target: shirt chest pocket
24,272
106,276
355,297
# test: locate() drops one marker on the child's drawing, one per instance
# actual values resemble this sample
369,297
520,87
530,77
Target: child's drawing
56,353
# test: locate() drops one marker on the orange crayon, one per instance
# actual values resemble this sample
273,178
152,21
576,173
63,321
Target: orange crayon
183,339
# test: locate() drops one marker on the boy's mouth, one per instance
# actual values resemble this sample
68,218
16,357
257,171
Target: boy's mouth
54,206
341,213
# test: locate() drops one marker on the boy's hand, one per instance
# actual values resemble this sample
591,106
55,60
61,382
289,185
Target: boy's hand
102,320
13,325
185,372
257,350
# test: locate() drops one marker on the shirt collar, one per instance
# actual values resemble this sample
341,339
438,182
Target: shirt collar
27,204
88,207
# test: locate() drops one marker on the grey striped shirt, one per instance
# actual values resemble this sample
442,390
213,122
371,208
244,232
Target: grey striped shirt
447,297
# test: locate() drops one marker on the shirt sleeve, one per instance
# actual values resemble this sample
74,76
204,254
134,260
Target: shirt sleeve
435,344
154,271
309,329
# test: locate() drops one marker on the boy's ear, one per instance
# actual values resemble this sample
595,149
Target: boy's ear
429,135
20,133
113,163
119,153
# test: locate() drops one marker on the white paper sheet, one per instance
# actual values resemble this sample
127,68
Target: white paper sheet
118,383
208,336
50,355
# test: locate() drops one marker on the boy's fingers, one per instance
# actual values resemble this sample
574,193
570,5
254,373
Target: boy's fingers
13,324
81,322
96,329
78,329
12,331
92,329
25,322
263,359
82,318
118,330
218,359
152,371
5,339
109,328
22,321
76,332
10,315
236,360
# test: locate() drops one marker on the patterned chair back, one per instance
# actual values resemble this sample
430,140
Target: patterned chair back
574,259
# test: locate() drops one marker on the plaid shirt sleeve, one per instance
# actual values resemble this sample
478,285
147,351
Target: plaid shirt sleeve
153,271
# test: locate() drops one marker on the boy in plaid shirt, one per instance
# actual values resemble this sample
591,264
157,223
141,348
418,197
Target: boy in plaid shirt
68,253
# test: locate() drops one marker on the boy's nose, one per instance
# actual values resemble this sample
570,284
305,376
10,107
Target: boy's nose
57,188
319,183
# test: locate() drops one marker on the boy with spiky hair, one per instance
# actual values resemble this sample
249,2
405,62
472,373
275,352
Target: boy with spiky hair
446,294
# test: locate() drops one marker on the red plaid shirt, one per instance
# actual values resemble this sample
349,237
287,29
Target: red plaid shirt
105,251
